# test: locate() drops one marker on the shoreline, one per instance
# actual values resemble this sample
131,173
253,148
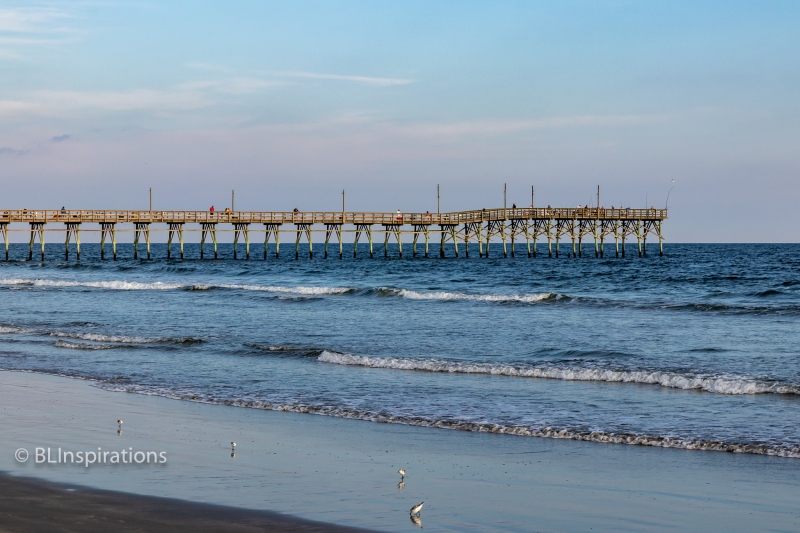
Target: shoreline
28,504
341,471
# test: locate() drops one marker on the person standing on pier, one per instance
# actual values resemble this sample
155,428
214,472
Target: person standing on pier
399,215
211,209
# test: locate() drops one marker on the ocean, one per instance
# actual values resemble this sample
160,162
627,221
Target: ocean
697,349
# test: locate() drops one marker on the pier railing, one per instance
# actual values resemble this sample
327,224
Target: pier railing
327,217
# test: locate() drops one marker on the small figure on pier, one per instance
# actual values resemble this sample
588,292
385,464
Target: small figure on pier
513,206
211,209
295,210
399,215
227,209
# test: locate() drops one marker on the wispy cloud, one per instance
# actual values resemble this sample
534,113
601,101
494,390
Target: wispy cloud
24,27
12,151
232,85
493,128
369,80
64,103
29,19
61,138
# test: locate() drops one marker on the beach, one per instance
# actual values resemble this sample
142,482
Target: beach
343,472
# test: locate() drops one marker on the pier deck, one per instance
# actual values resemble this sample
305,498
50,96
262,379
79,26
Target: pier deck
482,225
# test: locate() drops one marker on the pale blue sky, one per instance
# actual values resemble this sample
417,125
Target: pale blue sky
289,102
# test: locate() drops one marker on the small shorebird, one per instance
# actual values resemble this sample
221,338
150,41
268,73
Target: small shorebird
402,473
119,422
233,445
416,509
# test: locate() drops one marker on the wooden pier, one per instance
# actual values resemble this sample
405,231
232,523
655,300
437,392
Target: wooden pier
508,225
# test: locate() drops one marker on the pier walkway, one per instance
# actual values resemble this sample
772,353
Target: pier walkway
508,225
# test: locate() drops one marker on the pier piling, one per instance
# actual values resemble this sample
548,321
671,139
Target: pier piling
4,231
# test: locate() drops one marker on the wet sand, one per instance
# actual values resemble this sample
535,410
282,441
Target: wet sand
340,471
30,505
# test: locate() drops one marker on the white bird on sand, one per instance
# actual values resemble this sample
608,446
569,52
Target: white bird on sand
233,445
119,422
417,508
402,473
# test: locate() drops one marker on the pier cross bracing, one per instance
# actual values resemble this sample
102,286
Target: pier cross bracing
509,226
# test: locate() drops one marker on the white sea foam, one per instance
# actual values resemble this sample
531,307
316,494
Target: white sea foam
81,346
518,430
442,295
96,337
158,285
13,329
111,285
715,384
305,291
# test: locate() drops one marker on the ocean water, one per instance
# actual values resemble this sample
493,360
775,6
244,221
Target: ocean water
698,349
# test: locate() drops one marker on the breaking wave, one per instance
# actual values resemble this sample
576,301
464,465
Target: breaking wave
82,346
124,339
506,429
715,384
442,295
111,285
158,285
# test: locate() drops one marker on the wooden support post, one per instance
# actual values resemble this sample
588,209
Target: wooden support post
244,228
595,229
639,237
488,238
37,228
455,238
73,229
442,237
503,236
572,236
549,239
624,231
303,228
527,237
208,228
269,229
4,231
479,232
660,241
106,228
616,239
330,229
424,229
390,229
143,227
174,227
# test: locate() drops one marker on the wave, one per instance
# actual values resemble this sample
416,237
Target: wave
111,285
505,429
442,295
124,339
158,285
522,298
14,329
82,346
714,384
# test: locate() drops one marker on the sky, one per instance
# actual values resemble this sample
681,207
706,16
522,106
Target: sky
289,103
